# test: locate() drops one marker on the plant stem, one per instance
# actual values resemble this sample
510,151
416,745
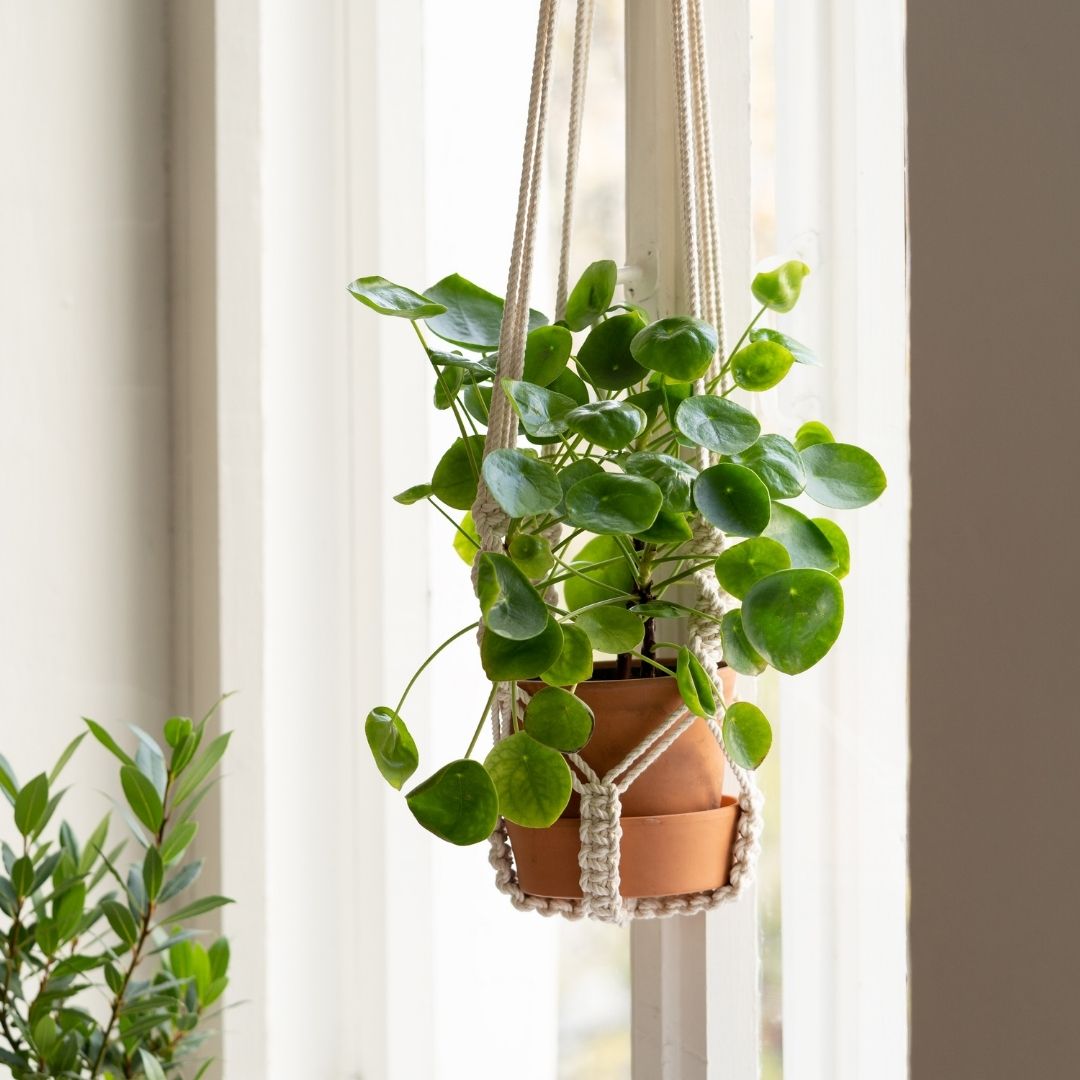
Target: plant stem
656,664
453,522
483,717
738,345
420,670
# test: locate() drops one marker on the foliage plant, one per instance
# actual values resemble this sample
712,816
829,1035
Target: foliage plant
100,975
613,409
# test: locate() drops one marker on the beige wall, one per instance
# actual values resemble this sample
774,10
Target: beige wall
995,725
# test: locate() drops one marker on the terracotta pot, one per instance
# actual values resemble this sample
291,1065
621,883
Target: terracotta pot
678,826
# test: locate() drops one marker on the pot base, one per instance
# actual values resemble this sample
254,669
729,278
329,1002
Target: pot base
663,855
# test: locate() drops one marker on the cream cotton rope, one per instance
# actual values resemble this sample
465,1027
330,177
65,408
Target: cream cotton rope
600,821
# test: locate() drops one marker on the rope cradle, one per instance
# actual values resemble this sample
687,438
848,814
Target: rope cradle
600,796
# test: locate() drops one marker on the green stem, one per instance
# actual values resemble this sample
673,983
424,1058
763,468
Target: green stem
683,574
738,345
483,717
655,664
420,670
453,522
452,402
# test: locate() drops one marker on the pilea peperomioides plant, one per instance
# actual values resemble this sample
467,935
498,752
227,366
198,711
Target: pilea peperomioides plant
616,415
99,974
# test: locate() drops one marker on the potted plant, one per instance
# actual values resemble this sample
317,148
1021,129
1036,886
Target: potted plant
632,457
101,974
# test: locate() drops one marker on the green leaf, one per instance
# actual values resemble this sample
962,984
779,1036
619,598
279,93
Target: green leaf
177,842
531,554
121,920
478,369
612,629
151,1067
793,618
661,609
747,734
575,471
575,660
811,433
803,353
22,875
760,365
571,385
547,349
505,660
559,719
94,846
739,654
740,567
521,484
68,910
733,499
611,503
142,797
199,907
153,873
840,546
718,424
183,877
472,316
842,476
778,465
457,804
668,528
391,745
601,582
454,479
389,299
65,757
8,782
605,354
674,478
679,347
694,684
31,804
219,955
107,741
779,289
467,539
509,603
807,545
610,424
202,766
542,411
477,402
532,780
448,382
592,295
46,1035
413,494
177,729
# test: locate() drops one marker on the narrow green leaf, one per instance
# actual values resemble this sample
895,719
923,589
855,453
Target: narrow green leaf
107,741
694,684
65,757
142,797
153,873
199,907
176,843
121,920
201,767
31,804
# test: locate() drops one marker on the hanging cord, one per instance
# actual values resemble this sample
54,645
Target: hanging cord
685,132
583,29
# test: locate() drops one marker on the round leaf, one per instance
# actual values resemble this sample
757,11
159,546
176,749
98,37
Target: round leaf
733,499
389,299
760,365
447,384
840,546
592,295
807,545
477,402
458,803
571,385
779,289
600,582
747,734
778,464
673,477
509,603
718,424
742,566
413,494
547,349
739,654
793,618
532,780
605,354
391,744
614,503
532,554
467,539
521,484
472,317
575,661
610,424
668,528
811,433
559,719
694,684
612,629
542,411
842,476
803,353
575,471
505,659
454,479
680,347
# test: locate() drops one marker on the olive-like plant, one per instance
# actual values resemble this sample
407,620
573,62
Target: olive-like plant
99,974
619,412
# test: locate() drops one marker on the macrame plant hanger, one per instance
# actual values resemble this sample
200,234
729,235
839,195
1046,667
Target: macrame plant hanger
600,830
